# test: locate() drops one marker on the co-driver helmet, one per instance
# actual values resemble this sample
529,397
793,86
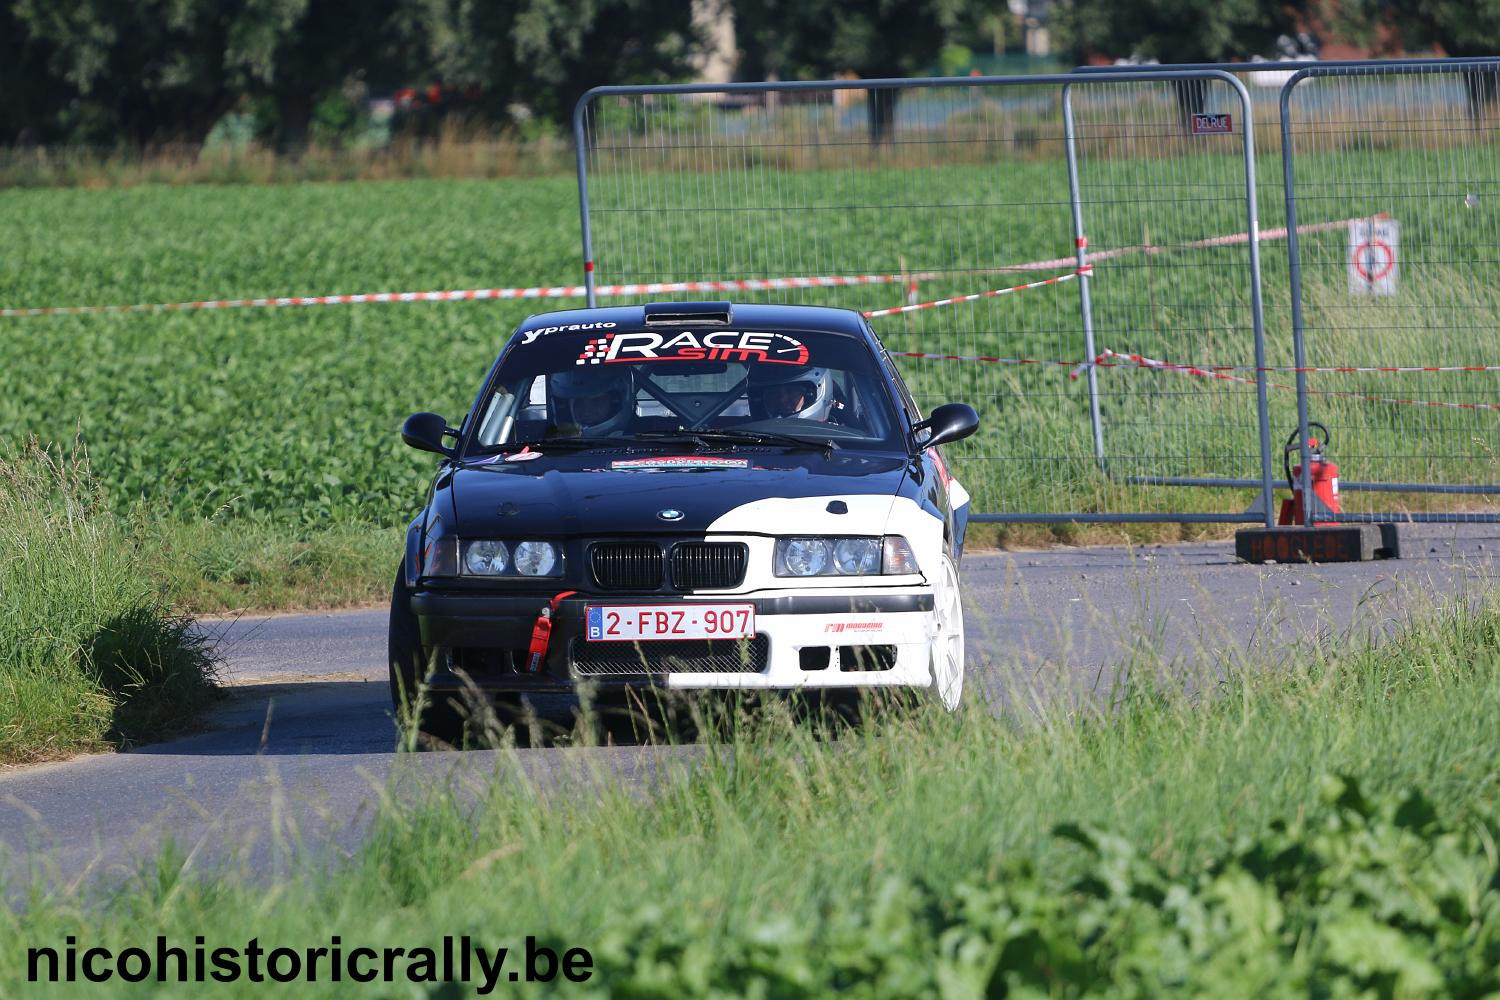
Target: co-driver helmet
816,385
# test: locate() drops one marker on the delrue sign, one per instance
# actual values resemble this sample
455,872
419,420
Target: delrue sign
1211,124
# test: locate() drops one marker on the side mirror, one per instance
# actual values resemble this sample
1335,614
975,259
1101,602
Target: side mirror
424,432
949,422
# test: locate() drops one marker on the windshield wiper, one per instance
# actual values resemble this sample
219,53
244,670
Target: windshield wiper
575,443
732,436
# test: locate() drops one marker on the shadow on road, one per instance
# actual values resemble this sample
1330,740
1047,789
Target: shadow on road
351,718
320,717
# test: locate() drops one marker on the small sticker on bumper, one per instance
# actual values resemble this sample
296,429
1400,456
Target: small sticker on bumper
854,627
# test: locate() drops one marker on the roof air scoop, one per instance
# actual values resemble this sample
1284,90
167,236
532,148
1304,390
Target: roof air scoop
688,314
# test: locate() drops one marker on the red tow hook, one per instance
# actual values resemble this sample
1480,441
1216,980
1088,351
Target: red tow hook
541,634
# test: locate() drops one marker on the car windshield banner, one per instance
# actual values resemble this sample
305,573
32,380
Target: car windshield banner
687,345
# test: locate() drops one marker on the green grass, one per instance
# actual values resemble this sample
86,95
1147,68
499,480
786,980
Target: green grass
279,426
211,568
1325,827
89,654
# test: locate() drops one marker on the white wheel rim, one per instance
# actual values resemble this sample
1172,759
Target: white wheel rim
948,644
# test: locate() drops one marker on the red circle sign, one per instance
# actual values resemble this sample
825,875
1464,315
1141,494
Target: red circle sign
1373,260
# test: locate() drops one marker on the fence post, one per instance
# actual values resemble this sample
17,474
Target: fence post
1257,309
1080,243
1294,280
580,149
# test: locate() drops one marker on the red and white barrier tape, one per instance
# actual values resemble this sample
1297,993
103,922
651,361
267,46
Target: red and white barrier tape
558,292
477,294
1145,362
1326,369
1231,239
658,288
1054,280
1219,372
1102,361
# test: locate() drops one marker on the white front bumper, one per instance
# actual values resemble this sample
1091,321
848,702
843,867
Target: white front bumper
909,633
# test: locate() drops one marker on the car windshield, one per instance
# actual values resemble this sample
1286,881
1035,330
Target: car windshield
764,387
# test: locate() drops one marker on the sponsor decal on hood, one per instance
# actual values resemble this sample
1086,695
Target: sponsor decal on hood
678,463
524,455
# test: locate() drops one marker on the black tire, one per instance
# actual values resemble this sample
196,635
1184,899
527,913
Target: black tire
408,661
403,645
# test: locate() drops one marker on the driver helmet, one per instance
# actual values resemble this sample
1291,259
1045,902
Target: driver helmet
792,391
596,402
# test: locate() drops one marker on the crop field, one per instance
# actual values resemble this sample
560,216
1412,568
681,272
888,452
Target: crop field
266,433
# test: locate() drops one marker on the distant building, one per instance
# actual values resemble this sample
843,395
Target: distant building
716,62
1034,16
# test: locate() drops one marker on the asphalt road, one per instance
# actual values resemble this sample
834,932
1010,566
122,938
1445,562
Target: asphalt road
302,750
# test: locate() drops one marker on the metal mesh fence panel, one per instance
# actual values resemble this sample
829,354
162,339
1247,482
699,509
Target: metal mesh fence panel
1381,108
1394,176
1162,203
1262,82
882,196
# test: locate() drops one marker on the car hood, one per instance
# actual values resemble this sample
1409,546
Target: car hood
624,493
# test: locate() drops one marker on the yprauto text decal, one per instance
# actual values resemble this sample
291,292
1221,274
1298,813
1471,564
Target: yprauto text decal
531,336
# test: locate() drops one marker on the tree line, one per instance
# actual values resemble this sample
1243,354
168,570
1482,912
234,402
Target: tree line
105,72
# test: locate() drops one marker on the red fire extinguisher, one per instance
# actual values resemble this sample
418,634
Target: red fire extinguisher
1322,475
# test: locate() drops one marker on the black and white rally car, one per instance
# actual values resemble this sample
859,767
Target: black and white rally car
691,495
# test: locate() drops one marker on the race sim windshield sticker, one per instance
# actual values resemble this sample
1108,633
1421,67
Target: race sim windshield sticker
718,345
663,463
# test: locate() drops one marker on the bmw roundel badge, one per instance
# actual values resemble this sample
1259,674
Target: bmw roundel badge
670,514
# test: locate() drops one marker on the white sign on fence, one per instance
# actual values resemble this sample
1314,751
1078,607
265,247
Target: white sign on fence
1373,247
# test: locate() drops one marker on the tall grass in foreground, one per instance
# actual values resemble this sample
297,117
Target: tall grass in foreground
88,654
1328,827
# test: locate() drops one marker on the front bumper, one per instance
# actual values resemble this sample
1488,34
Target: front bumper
874,637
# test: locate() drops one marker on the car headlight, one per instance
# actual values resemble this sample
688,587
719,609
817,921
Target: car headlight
857,556
535,558
491,557
485,558
890,556
802,556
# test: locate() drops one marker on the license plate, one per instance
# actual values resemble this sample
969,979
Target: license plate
654,622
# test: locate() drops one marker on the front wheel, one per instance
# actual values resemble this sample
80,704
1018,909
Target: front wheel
403,645
948,642
409,661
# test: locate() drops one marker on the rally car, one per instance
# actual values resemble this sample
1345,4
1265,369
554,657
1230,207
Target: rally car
688,495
